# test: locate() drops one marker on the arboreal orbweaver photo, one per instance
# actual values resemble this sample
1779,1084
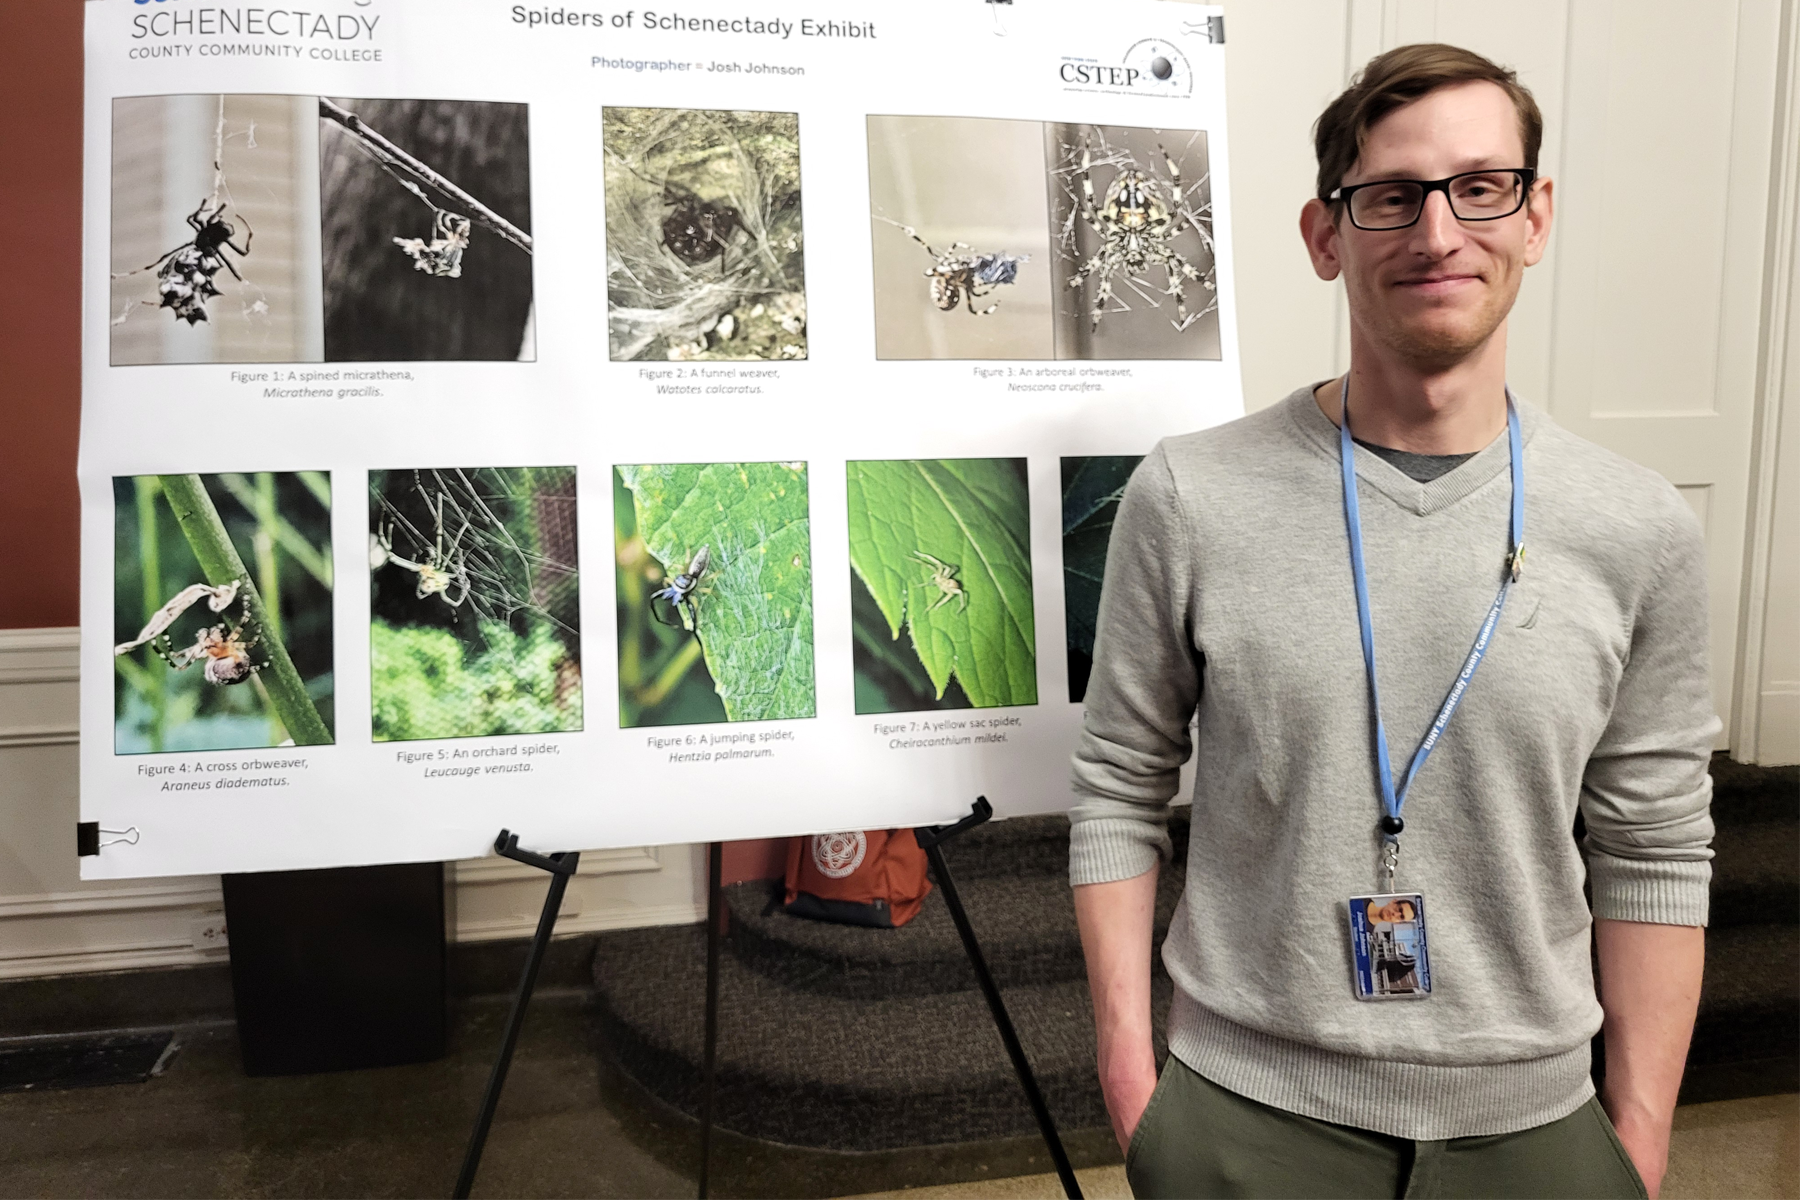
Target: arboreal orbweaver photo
1134,219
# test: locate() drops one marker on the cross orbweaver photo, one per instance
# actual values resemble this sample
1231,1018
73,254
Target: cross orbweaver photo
221,648
258,543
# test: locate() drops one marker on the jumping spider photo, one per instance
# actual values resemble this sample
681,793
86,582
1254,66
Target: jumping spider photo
679,591
959,276
1136,220
185,274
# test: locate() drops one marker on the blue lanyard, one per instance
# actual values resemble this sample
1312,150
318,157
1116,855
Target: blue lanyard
1393,799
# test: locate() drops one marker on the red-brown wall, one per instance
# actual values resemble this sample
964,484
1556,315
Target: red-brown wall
40,301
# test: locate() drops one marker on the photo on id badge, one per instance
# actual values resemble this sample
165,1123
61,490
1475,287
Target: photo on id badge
1387,944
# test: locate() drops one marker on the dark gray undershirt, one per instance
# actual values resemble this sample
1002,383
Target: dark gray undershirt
1420,468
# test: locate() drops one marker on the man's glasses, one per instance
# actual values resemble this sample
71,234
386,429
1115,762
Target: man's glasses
1473,196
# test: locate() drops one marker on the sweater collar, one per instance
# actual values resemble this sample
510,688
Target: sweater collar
1422,499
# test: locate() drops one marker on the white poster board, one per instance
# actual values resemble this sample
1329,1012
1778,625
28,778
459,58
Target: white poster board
626,426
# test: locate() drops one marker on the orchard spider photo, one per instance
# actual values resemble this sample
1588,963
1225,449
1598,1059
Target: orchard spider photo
444,573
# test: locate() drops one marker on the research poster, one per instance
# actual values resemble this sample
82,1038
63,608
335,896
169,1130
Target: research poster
624,426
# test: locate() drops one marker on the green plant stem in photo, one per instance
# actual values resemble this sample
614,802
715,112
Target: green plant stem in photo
152,682
220,562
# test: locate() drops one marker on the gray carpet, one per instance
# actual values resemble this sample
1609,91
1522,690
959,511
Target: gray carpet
850,1039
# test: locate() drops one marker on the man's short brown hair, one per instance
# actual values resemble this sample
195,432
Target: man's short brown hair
1399,77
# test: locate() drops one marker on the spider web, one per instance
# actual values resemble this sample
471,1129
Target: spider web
509,531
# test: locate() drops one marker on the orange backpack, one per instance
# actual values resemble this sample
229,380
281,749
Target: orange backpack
867,878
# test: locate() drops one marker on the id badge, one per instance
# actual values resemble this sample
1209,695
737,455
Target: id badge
1387,945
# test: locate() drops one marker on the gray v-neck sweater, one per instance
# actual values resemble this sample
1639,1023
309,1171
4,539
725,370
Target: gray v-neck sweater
1228,603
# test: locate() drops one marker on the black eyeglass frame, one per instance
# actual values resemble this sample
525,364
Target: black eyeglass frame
1341,195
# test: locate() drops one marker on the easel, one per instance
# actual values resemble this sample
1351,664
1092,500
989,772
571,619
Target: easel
561,866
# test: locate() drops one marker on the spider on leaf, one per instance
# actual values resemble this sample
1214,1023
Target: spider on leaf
185,274
679,592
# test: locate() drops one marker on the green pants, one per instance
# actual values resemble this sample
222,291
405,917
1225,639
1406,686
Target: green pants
1197,1139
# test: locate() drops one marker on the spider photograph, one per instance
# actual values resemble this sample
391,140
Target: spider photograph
940,584
474,590
713,592
1132,268
960,235
304,229
425,230
215,218
241,663
705,250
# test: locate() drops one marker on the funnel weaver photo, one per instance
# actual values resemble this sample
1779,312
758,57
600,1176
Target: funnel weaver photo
940,549
249,228
222,611
714,593
476,602
705,254
1091,490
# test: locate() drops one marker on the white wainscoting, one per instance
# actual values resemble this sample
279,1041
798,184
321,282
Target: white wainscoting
52,923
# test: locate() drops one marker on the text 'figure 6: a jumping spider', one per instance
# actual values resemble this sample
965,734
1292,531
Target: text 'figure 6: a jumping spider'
185,274
679,592
1136,221
221,647
445,571
960,276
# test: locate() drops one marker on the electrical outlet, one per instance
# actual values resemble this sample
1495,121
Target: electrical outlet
207,931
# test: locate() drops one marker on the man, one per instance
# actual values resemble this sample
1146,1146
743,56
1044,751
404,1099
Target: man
1307,615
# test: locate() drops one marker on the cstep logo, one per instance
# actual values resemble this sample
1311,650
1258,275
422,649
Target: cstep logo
1150,66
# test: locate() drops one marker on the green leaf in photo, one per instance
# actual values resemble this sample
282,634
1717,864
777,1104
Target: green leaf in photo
1091,491
755,597
944,547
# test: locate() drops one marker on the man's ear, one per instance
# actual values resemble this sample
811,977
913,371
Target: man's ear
1538,215
1319,231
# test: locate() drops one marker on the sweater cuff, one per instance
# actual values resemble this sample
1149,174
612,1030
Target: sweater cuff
1653,891
1105,850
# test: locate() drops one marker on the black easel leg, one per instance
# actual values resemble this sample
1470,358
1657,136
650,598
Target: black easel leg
715,854
1003,1022
559,883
